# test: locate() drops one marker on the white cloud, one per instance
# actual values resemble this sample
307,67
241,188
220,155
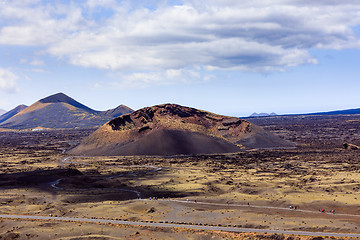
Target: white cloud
255,35
169,76
93,4
38,70
7,81
37,62
36,23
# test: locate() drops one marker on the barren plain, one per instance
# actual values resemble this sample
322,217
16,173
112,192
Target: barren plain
267,189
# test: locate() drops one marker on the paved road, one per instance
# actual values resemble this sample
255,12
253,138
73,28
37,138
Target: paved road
173,225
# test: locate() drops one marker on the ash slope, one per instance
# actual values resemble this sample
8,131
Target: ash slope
60,111
172,129
12,113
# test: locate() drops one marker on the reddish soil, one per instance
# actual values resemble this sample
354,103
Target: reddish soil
171,129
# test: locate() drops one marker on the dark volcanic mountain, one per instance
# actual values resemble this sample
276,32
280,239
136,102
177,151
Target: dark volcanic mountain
60,111
171,129
62,98
12,113
339,112
115,112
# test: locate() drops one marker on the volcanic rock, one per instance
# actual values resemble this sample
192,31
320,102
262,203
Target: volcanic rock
171,129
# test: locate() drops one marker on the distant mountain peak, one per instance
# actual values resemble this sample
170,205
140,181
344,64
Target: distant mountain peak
58,97
12,113
116,112
63,98
262,114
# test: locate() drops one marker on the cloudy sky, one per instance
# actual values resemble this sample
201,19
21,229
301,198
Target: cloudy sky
226,56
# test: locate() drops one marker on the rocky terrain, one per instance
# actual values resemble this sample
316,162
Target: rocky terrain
330,131
171,129
251,189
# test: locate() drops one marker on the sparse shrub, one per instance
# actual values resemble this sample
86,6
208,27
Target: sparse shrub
272,236
151,210
317,238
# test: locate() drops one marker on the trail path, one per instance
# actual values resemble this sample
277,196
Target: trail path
175,225
260,207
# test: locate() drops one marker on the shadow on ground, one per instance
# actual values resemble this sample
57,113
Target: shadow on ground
77,187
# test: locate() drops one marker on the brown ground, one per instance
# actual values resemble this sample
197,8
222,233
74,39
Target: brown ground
70,231
164,142
320,173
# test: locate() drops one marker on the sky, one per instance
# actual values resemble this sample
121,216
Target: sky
229,57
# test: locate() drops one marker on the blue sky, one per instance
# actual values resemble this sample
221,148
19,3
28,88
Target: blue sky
226,56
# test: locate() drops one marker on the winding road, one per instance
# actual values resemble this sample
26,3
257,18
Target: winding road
67,160
175,225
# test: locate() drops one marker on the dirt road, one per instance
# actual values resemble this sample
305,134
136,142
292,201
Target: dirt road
174,225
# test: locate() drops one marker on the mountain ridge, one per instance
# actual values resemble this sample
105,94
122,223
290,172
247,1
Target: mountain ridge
337,112
60,111
12,113
262,114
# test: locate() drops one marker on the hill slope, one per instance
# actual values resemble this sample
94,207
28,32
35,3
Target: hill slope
172,129
60,111
12,113
115,112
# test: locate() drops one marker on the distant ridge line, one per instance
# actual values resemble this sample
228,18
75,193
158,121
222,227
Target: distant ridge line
335,112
